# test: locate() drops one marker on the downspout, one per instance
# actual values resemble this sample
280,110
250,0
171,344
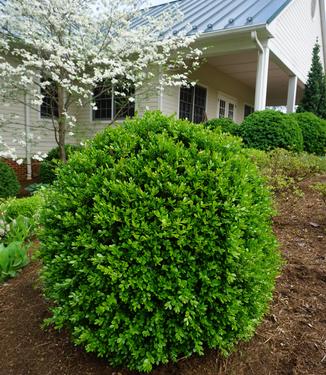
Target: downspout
160,99
27,139
254,38
323,27
258,89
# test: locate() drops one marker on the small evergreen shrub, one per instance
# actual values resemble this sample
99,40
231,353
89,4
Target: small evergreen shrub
313,131
50,163
226,125
26,207
9,185
157,243
266,130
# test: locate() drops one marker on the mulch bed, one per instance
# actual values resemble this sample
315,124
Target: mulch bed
291,340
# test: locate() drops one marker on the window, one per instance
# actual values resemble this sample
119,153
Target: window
49,106
193,103
226,108
111,105
248,110
222,110
231,111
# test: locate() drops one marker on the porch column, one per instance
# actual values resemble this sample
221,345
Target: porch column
292,94
262,78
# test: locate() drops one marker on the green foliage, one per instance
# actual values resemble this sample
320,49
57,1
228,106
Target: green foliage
12,258
9,186
19,218
284,169
27,207
267,130
35,187
51,162
20,229
157,243
313,131
226,125
321,188
314,97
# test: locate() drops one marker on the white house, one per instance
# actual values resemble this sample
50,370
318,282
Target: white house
257,54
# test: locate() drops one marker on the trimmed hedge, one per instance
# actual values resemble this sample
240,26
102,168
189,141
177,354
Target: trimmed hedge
266,130
50,163
157,243
314,132
9,185
225,124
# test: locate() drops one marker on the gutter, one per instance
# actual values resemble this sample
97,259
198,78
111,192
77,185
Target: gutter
239,30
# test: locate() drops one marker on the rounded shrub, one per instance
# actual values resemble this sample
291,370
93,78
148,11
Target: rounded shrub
50,163
266,130
9,185
314,132
226,125
157,243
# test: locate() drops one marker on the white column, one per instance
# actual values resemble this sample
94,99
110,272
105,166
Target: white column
262,79
292,94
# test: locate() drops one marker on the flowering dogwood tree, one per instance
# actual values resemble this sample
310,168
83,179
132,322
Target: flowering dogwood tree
65,49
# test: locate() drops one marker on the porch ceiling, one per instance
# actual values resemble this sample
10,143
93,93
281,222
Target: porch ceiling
243,66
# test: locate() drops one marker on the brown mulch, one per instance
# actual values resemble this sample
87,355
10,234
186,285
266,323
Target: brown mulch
291,340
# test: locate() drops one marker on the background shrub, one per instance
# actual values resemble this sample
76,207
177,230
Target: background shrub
266,130
314,132
225,124
157,243
19,219
321,188
27,207
9,185
50,163
284,169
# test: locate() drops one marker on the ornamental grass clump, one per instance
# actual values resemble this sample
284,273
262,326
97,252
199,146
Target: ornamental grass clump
157,243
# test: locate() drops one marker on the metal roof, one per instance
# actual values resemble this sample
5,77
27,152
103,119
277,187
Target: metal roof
205,16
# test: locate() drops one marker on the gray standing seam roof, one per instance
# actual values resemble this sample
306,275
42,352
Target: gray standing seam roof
207,16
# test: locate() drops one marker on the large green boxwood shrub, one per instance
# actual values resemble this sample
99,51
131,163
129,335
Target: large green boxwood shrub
50,163
157,243
314,132
266,130
9,185
226,125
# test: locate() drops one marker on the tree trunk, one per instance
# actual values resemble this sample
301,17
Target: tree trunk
62,125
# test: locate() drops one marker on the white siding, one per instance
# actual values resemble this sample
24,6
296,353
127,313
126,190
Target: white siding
41,130
295,32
